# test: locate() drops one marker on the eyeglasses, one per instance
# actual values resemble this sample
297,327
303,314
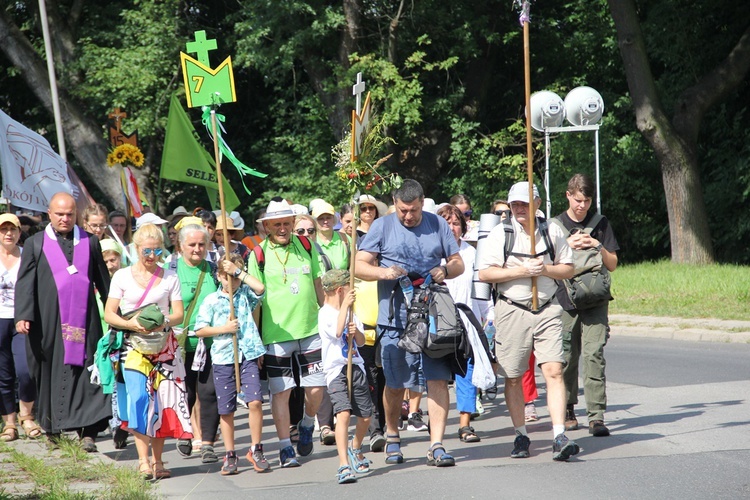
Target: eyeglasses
368,208
98,226
501,212
301,231
148,251
468,213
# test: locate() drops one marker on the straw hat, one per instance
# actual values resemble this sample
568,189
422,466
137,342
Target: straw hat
371,200
277,210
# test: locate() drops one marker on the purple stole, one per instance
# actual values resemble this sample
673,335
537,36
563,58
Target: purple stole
72,293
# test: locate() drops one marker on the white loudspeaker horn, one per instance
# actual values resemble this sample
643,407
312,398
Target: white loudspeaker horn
584,106
547,110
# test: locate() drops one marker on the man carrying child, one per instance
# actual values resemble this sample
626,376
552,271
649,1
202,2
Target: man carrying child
213,321
335,326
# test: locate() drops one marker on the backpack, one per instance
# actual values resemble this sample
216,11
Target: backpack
591,285
433,325
261,257
510,239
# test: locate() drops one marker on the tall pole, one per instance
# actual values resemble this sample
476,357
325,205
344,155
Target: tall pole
225,233
529,148
52,81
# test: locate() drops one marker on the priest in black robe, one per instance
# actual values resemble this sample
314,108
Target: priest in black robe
55,305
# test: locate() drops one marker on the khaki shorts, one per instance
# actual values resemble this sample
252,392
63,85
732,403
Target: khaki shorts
519,331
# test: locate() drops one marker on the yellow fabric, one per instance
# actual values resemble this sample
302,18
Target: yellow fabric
138,362
366,307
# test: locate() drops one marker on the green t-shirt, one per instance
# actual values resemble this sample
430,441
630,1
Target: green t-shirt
337,251
290,305
189,276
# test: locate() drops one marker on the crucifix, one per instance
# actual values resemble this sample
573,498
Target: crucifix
358,89
201,47
117,115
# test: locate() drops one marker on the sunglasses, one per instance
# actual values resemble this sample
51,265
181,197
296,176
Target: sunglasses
301,231
468,213
368,208
148,251
501,212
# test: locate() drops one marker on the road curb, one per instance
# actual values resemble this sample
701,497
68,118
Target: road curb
687,329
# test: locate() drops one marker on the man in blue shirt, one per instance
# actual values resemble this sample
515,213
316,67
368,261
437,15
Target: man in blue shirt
409,242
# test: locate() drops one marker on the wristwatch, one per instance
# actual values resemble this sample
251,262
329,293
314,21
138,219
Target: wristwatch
599,247
237,273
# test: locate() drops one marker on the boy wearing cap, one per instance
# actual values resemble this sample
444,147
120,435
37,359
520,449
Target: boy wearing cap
520,328
335,327
213,321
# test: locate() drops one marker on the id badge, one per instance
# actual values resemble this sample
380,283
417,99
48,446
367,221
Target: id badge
305,269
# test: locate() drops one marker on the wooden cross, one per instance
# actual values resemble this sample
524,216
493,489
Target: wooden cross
201,47
117,115
358,89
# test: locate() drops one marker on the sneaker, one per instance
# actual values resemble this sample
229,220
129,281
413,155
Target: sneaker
260,464
530,412
327,436
208,455
88,444
377,442
305,443
521,447
563,448
571,422
415,423
287,458
230,465
598,429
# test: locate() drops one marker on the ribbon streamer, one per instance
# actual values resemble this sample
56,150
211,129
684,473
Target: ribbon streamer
225,149
525,6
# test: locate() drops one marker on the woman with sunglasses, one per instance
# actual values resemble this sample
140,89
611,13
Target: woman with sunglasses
304,225
13,366
153,398
370,209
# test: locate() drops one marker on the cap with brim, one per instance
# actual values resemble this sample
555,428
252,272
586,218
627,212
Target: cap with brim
277,210
520,192
187,221
323,208
237,220
149,218
110,245
334,279
222,222
12,218
381,207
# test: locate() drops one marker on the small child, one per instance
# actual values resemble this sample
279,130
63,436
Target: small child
334,332
213,321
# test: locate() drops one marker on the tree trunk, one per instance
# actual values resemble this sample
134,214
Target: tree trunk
690,237
82,135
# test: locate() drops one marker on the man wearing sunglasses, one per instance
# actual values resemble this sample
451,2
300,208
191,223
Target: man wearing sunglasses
55,306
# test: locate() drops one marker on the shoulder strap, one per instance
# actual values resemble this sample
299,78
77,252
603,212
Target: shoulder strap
260,257
510,238
195,301
327,264
544,230
305,243
591,225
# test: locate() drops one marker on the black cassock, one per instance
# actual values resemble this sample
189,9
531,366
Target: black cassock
66,399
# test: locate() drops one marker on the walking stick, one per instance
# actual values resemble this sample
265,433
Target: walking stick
350,313
225,233
529,149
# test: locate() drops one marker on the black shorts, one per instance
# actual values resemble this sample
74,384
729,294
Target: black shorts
360,404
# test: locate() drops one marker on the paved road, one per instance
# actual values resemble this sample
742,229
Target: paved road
678,414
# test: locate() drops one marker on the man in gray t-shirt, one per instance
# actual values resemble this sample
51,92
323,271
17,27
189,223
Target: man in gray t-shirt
409,242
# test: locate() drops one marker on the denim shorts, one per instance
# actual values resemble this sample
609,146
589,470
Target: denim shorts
401,368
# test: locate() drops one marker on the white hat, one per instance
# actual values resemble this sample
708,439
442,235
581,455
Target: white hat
180,211
149,218
278,210
371,200
299,209
321,208
237,220
520,192
108,244
429,206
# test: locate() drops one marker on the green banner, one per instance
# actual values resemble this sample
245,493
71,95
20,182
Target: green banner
185,160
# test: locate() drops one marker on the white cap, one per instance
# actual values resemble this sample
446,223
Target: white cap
520,192
429,206
237,220
149,218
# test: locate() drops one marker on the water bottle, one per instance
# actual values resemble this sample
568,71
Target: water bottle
489,331
407,288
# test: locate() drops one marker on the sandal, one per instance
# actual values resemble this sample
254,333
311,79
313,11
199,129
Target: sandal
327,436
185,447
160,472
10,433
438,457
393,453
358,465
345,475
293,434
145,470
467,435
31,429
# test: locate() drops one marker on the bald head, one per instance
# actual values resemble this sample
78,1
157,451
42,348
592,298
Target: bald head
62,212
